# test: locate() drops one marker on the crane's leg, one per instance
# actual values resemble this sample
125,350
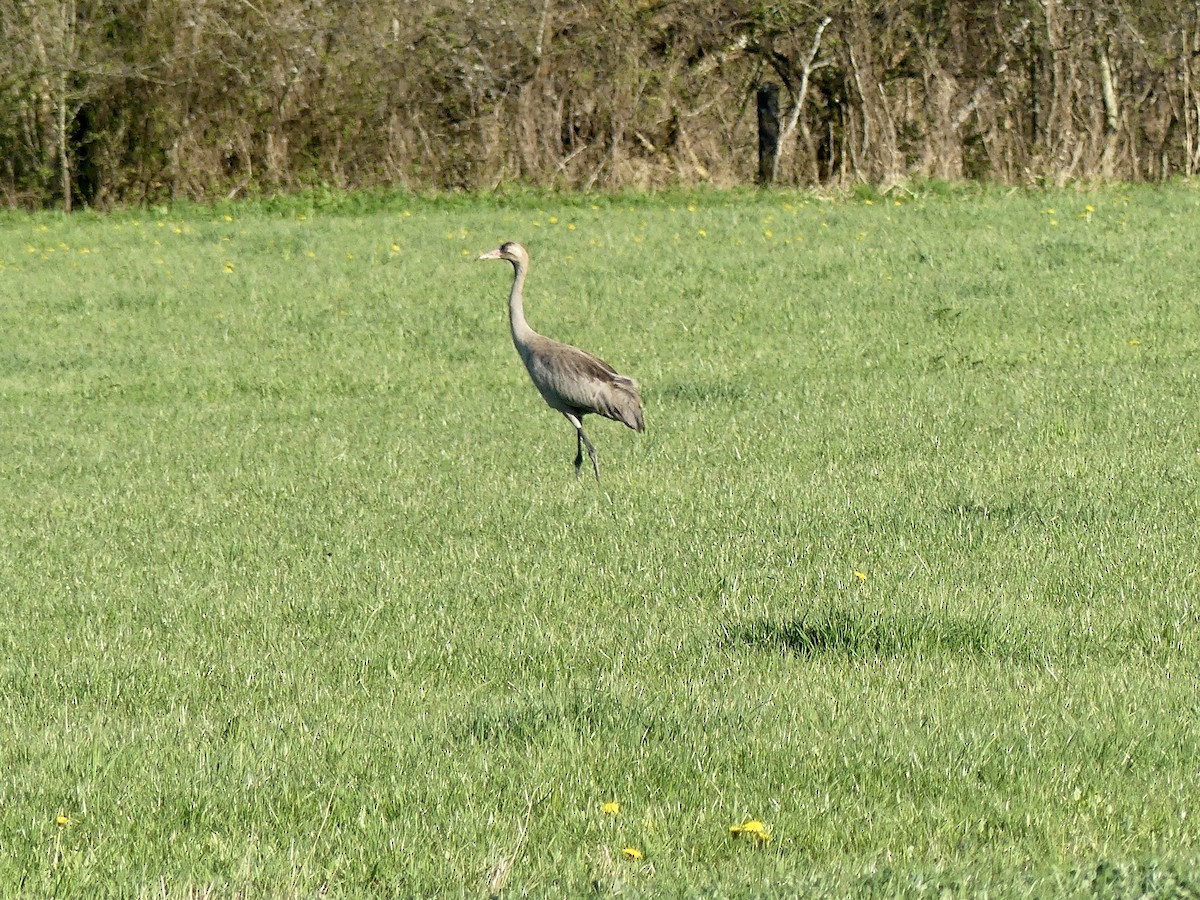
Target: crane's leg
581,441
592,453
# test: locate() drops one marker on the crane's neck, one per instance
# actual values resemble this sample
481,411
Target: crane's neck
521,332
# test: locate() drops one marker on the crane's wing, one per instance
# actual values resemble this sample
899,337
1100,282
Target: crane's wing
575,381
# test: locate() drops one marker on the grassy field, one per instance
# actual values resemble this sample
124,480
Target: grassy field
301,594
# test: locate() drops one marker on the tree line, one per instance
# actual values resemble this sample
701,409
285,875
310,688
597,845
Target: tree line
133,101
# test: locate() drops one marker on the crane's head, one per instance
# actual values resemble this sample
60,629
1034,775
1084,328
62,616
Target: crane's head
510,250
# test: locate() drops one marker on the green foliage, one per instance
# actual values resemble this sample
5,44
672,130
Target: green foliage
302,594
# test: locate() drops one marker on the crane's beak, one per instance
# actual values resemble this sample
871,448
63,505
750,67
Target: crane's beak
492,254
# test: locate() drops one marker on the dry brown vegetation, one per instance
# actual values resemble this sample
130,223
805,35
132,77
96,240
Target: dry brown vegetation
134,101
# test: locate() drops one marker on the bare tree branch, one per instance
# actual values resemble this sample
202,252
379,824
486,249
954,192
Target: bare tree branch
807,67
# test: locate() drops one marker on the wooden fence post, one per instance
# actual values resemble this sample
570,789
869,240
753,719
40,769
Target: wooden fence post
768,131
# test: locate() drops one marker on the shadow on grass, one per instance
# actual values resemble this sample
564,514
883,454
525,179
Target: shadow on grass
857,633
1146,879
871,633
713,392
525,719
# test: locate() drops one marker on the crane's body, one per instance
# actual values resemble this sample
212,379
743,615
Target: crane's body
572,381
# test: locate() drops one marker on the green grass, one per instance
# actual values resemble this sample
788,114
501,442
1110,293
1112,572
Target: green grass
301,594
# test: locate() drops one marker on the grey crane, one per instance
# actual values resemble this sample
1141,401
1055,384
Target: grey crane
570,380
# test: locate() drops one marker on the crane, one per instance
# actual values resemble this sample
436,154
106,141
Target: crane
572,381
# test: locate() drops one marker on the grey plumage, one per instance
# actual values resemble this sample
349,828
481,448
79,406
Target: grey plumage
570,380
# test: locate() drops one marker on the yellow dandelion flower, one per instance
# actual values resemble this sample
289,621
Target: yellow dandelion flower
1134,342
701,232
227,218
861,576
692,208
1089,208
768,233
752,827
62,821
228,268
395,248
611,808
553,220
633,853
310,254
570,226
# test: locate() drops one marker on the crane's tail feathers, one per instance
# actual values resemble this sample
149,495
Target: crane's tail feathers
628,406
639,423
630,415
